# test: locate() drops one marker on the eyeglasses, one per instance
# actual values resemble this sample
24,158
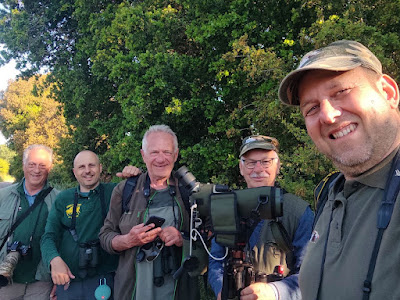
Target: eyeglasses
265,163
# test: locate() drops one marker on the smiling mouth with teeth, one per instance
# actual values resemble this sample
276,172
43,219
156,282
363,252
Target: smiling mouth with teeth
345,131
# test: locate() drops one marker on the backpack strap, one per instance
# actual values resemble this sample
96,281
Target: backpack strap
281,236
321,193
185,196
127,193
384,215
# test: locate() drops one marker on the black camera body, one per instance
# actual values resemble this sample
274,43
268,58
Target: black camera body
17,246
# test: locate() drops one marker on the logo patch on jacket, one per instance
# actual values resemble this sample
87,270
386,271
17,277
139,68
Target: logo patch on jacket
70,209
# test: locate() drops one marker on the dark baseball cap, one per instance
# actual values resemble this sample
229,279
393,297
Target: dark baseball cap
258,142
341,55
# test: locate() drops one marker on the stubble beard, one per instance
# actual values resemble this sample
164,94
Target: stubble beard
356,160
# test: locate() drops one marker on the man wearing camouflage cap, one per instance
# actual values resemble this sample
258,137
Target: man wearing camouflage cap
259,165
351,111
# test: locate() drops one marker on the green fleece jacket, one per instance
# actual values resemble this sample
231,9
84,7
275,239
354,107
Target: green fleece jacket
58,241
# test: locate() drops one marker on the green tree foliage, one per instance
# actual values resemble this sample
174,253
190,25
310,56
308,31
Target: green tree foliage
28,115
209,69
6,157
6,153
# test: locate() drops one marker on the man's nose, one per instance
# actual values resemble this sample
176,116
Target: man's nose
258,166
160,157
328,111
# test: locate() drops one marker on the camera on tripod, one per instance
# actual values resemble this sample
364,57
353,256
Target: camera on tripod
233,215
227,209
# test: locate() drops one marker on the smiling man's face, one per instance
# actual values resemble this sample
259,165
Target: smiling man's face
159,155
37,168
87,170
352,116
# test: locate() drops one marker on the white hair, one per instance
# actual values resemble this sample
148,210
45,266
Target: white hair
36,146
159,128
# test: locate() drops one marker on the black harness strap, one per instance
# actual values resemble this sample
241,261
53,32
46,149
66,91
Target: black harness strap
129,187
72,229
39,199
384,215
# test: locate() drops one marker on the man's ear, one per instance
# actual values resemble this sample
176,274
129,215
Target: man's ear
142,152
391,90
101,168
241,167
278,169
176,154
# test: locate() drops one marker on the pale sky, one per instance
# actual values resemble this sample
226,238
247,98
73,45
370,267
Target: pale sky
7,72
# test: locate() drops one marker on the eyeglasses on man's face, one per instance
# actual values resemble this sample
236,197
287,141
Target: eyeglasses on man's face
251,164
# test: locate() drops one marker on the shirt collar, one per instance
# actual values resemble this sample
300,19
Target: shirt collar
379,174
22,187
85,195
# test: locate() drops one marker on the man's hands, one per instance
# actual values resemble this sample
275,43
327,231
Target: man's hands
139,235
60,273
258,290
142,234
129,171
171,236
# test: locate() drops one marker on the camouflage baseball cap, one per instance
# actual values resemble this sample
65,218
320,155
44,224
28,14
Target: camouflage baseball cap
338,56
259,142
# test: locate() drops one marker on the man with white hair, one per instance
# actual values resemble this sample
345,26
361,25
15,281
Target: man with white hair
124,233
24,208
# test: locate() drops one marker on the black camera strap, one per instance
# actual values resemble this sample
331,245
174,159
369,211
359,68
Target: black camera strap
384,215
72,229
39,199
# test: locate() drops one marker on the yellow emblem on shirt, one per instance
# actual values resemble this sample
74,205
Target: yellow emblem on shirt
70,209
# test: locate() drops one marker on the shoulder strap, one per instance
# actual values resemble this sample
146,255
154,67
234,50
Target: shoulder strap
72,228
281,236
321,193
127,193
385,212
185,197
39,198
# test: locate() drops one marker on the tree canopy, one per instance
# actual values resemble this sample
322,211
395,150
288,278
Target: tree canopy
208,69
28,115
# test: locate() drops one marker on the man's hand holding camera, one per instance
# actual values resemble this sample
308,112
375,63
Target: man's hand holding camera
60,272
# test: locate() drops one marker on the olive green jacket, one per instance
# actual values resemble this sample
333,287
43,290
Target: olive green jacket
10,201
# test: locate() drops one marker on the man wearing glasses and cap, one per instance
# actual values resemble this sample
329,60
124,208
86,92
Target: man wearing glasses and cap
259,165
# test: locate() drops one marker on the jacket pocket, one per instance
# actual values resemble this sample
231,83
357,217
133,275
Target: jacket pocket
4,223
